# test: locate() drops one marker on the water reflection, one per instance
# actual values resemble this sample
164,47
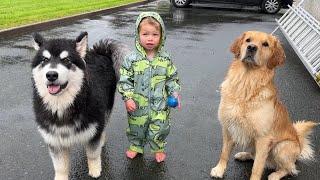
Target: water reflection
190,23
146,168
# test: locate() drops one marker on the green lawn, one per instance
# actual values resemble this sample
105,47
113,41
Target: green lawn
21,12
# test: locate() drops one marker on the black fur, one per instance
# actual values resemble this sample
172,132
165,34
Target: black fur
96,98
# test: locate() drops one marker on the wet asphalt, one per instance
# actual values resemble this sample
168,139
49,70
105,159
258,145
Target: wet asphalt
198,39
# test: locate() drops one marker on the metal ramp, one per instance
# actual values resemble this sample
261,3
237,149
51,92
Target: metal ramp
302,31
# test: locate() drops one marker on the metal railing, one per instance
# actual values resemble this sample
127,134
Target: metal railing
302,31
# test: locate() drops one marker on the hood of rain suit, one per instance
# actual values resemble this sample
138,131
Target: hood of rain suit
157,17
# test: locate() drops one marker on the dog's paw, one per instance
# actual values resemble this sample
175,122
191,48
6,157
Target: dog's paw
243,156
255,178
217,172
273,176
95,172
61,177
95,169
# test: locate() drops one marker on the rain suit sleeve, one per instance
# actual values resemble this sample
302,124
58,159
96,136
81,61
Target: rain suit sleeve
172,83
126,82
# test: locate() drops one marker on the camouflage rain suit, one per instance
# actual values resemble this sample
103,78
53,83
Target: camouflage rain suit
148,83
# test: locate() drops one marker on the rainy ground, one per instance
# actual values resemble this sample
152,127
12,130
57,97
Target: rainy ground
198,40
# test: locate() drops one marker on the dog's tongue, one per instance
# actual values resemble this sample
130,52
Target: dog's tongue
53,89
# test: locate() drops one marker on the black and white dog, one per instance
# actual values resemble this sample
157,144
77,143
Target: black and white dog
74,91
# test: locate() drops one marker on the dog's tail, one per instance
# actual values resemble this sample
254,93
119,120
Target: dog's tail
304,129
115,49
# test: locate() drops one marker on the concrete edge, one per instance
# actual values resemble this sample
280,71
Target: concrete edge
62,21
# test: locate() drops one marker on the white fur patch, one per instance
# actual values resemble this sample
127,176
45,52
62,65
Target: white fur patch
66,136
46,54
61,162
63,73
35,45
64,54
60,102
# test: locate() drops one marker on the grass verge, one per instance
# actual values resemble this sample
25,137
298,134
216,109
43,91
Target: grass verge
22,12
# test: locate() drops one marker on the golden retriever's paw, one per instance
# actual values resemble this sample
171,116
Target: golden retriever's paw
243,156
217,172
255,178
61,176
95,170
274,176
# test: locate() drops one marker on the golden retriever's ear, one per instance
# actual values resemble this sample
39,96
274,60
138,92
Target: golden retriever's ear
236,46
278,55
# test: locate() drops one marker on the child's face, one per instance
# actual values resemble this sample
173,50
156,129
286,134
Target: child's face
149,37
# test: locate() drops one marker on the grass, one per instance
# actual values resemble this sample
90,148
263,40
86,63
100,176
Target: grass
15,13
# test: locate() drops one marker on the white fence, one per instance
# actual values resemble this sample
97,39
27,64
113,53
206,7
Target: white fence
302,30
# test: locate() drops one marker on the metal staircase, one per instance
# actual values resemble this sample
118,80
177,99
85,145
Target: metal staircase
302,31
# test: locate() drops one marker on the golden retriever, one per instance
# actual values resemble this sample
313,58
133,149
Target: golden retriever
252,115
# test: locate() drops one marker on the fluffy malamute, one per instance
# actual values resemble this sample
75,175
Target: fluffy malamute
73,97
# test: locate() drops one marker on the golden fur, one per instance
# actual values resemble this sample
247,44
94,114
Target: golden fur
252,115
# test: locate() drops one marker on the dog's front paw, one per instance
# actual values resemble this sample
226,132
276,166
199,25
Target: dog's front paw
273,176
95,169
217,172
255,177
95,172
60,176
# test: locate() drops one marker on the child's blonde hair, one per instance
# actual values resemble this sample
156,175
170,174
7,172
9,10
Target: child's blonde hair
151,21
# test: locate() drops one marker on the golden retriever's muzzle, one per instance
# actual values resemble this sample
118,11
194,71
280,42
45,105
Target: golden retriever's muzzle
249,57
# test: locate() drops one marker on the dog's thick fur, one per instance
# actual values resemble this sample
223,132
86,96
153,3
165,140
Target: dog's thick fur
253,117
74,91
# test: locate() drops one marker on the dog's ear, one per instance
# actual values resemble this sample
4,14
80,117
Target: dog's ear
236,45
82,44
38,41
278,56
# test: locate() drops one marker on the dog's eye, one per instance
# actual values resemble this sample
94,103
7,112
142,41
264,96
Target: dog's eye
45,59
265,44
248,40
66,60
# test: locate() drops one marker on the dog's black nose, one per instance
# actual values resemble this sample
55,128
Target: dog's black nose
252,48
52,76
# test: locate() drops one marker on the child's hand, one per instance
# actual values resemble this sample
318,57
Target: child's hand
177,96
130,105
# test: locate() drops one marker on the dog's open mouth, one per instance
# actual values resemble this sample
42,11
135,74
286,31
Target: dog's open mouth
56,88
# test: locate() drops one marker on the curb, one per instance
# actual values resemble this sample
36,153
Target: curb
62,21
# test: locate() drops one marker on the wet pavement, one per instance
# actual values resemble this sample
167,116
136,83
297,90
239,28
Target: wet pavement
198,40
